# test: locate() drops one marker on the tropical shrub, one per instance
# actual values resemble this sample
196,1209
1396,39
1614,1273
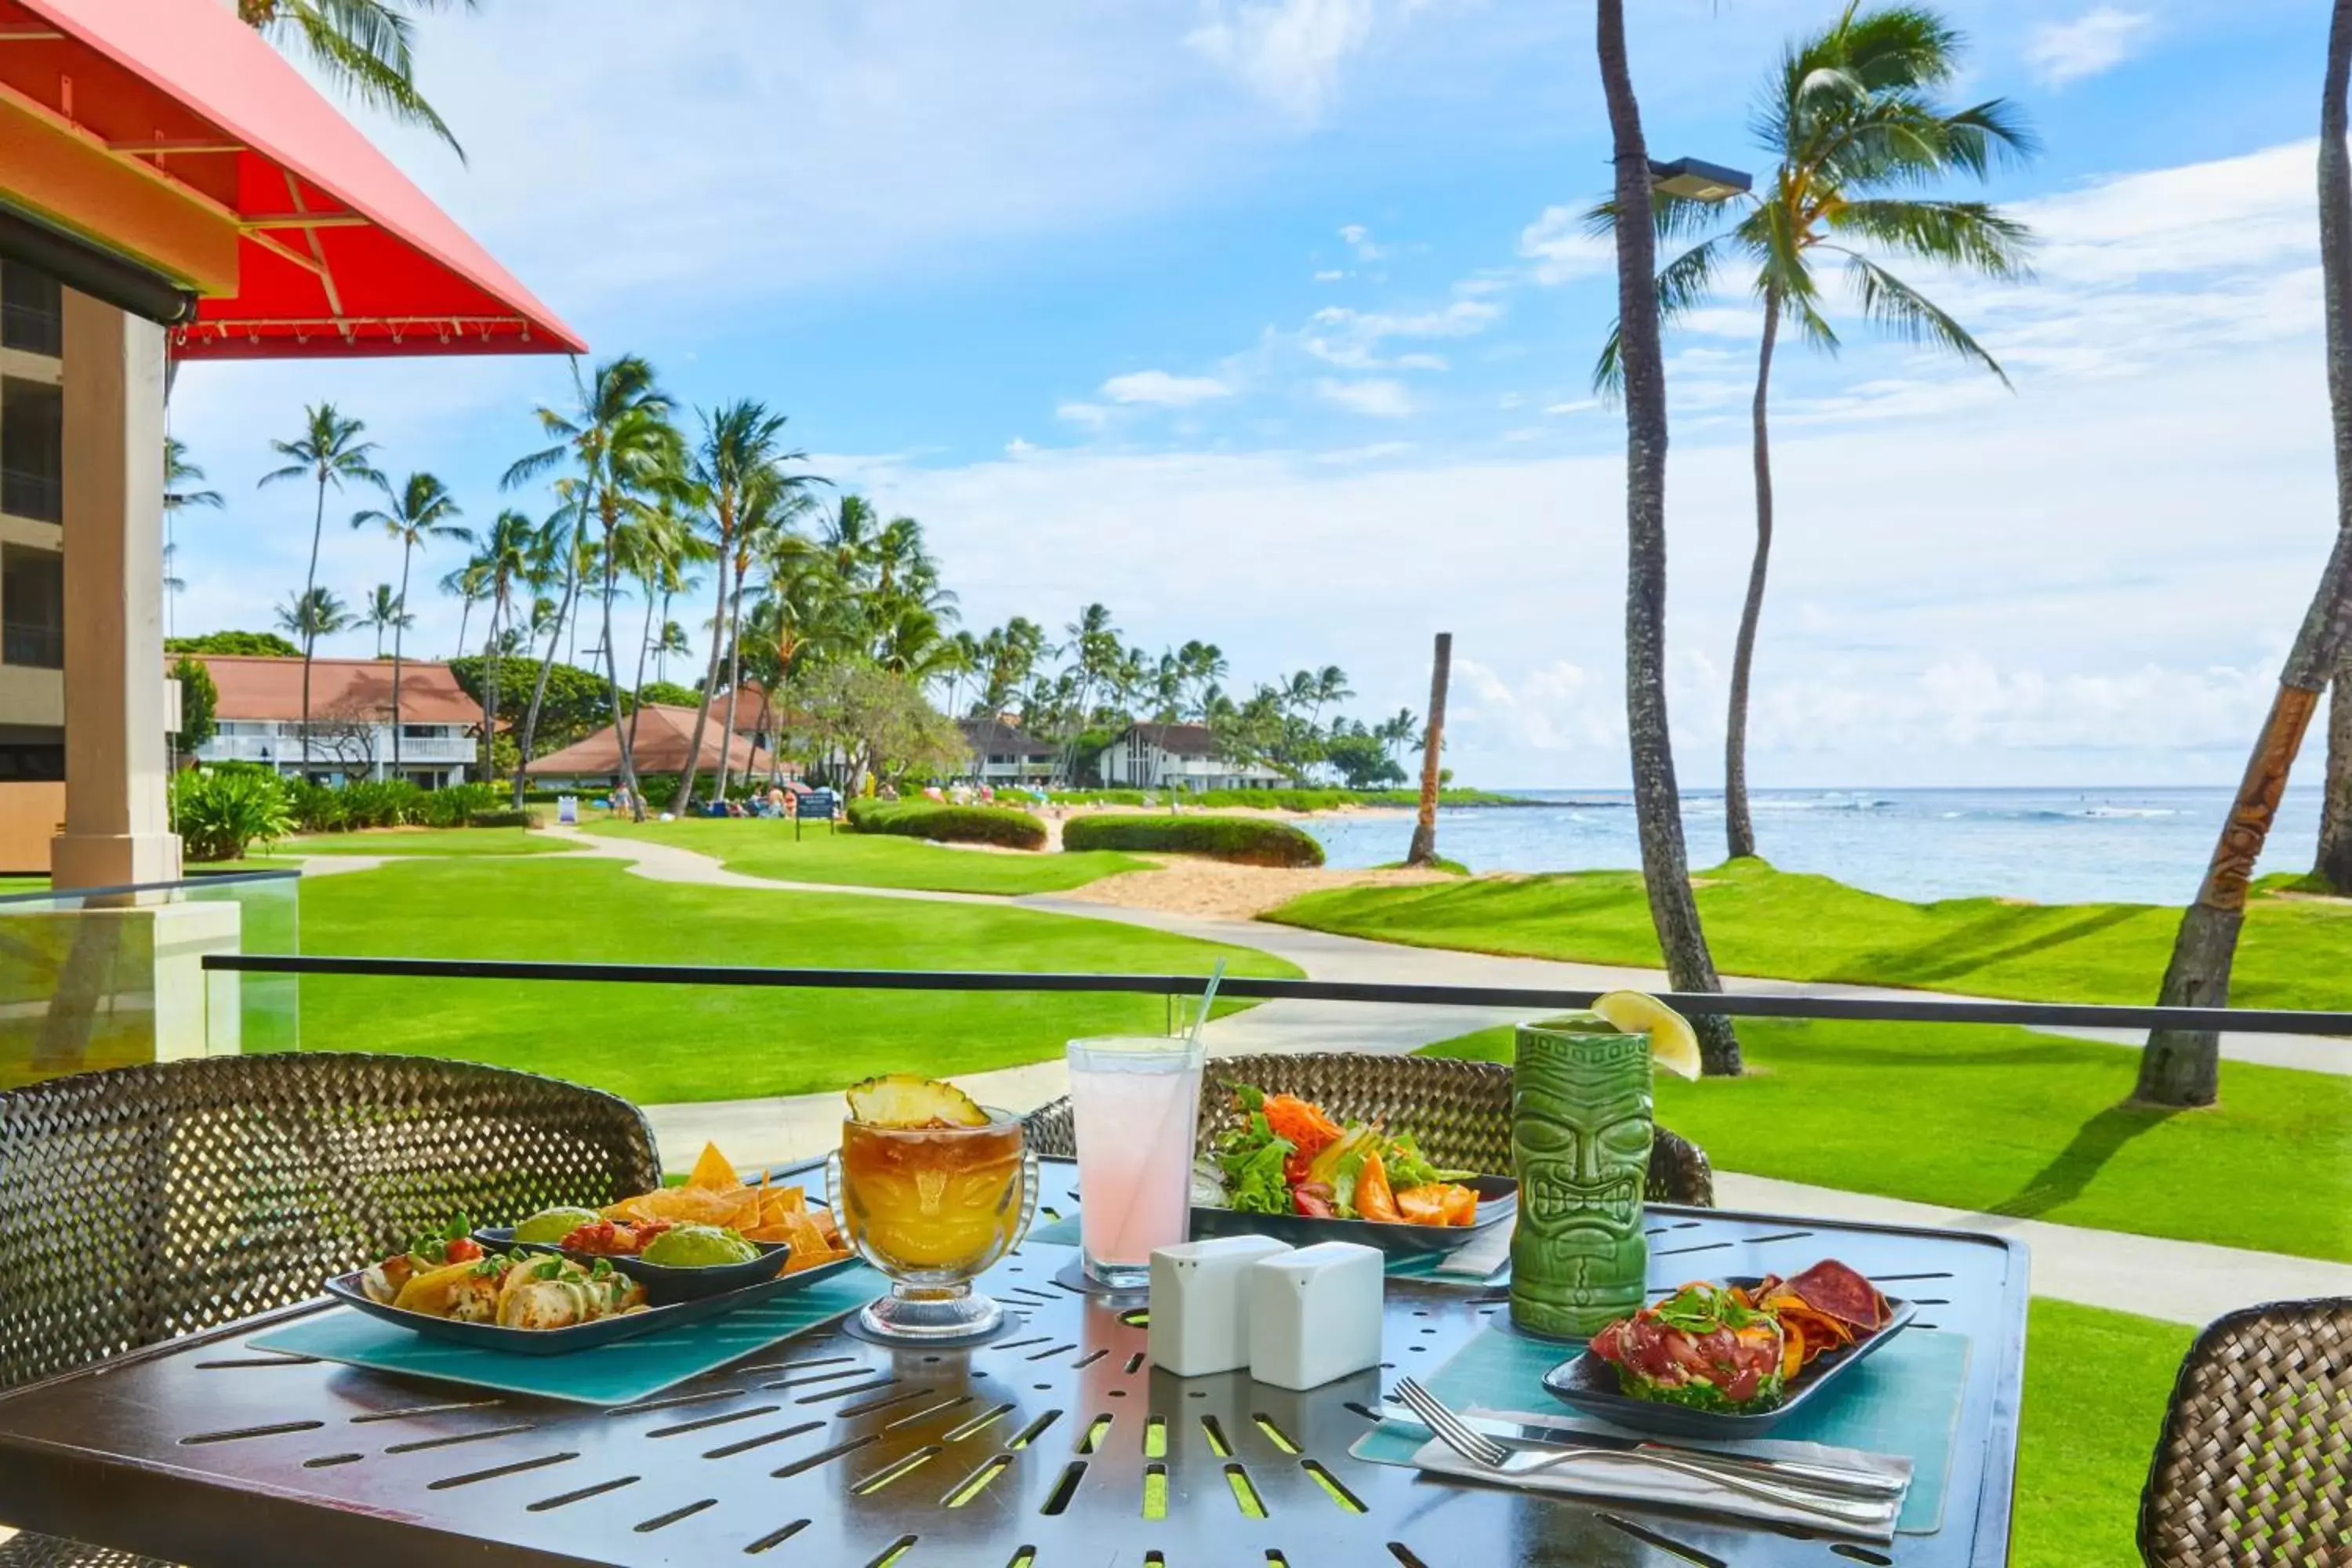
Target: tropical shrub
382,802
949,823
504,818
1245,840
457,805
199,702
266,644
220,811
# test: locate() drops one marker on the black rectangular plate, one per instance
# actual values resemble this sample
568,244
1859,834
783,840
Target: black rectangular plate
664,1286
1590,1385
1498,1203
345,1289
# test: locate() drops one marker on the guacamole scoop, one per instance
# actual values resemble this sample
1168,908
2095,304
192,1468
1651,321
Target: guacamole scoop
698,1247
554,1225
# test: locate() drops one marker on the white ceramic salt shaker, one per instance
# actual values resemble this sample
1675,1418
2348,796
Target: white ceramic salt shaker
1199,1301
1314,1314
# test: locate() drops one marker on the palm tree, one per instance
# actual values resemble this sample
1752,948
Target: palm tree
2183,1067
358,45
671,643
382,611
307,616
179,473
1851,123
469,584
556,557
654,549
420,512
329,451
1658,802
506,560
620,439
740,456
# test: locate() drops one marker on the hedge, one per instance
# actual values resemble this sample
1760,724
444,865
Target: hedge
949,823
502,819
1246,840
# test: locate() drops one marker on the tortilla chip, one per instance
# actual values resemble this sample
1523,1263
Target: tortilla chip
713,1172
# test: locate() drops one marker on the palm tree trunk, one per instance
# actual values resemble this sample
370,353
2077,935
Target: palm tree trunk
407,552
2183,1067
734,679
624,733
310,638
464,620
1740,827
2333,865
1424,826
709,676
636,796
1658,802
546,668
490,707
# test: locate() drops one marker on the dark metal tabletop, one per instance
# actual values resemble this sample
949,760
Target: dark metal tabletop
1059,1444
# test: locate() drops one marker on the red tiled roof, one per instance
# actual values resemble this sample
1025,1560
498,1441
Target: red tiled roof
260,687
659,747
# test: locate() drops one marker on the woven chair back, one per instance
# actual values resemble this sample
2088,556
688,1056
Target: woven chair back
2255,1463
149,1202
1458,1111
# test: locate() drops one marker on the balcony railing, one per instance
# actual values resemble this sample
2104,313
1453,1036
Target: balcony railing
40,647
41,497
32,329
335,750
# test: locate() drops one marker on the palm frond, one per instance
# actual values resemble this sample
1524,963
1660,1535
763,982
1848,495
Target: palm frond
1911,315
1982,134
1684,284
361,47
1671,216
1971,235
525,468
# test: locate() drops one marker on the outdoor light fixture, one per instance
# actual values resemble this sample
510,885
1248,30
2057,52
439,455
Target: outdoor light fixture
93,270
1698,180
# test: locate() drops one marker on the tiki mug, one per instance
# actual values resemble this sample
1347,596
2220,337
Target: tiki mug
1580,1132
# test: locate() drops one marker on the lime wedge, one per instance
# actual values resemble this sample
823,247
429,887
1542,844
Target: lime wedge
1673,1046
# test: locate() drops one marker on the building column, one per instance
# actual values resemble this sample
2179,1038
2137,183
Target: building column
118,823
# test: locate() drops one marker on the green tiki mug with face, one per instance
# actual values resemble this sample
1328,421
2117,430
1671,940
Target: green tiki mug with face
1580,1133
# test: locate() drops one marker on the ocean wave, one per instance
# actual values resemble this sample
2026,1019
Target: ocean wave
1826,802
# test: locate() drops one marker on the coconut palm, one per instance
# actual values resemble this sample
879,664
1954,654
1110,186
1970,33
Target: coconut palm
619,437
469,584
654,548
421,512
1657,801
670,641
358,45
1854,132
506,560
736,467
330,452
556,560
2183,1067
382,611
179,474
768,531
307,616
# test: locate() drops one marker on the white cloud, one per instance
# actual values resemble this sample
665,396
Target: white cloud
1329,275
1017,447
1555,242
1288,51
1359,240
1162,390
1575,406
1090,415
1352,339
2098,40
1380,397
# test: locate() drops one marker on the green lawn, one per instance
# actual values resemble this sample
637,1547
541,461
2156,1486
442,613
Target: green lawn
660,1043
2095,1386
2007,1121
427,841
1765,921
758,848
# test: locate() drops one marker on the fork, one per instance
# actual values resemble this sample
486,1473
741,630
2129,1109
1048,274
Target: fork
1485,1453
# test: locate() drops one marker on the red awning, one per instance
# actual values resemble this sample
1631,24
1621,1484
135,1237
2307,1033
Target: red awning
335,251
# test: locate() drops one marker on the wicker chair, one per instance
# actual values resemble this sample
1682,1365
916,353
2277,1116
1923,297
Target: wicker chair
192,1193
2255,1463
1458,1111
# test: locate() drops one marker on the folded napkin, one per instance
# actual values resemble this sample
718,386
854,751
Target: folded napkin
1627,1482
1477,1259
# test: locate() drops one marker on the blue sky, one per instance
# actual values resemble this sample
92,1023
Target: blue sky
1265,321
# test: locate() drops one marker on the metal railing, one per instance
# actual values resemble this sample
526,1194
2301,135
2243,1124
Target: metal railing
1921,1009
23,493
39,646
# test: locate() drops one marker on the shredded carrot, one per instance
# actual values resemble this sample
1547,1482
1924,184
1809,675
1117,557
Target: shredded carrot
1301,1121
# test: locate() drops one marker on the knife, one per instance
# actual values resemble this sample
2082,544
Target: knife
1833,1479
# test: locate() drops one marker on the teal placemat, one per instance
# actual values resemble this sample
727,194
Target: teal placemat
619,1374
1064,1232
1905,1399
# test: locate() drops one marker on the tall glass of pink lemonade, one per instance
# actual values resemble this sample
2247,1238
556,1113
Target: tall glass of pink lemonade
1134,1103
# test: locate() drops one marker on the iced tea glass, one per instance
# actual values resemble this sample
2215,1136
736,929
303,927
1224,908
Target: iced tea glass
933,1208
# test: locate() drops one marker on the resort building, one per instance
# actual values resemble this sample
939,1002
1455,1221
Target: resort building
32,564
658,742
437,742
1179,756
1002,754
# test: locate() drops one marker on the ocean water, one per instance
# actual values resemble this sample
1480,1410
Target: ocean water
2050,846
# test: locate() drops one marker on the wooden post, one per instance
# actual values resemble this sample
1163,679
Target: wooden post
1424,827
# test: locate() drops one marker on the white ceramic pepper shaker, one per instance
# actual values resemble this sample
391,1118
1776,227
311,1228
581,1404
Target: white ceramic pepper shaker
1314,1314
1200,1301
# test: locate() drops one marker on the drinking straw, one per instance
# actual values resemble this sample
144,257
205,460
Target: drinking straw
1208,999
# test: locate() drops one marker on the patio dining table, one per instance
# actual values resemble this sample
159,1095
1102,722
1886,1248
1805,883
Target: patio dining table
1059,1443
